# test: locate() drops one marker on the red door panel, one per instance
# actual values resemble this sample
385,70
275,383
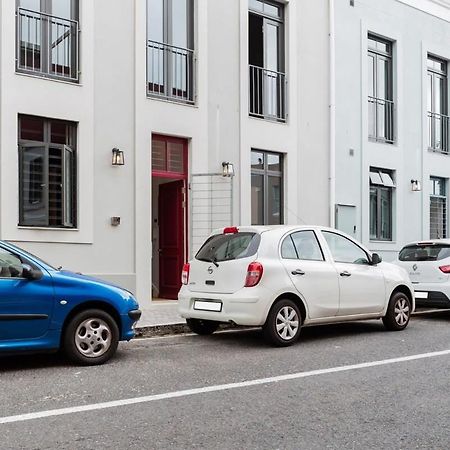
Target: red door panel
171,238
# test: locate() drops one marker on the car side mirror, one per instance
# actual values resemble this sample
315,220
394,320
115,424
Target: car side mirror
31,274
376,259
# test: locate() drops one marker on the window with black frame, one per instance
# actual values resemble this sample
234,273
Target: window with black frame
438,208
47,172
48,38
382,188
267,188
380,90
437,104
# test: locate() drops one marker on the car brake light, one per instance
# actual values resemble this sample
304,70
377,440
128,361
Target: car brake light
185,274
445,269
230,230
254,274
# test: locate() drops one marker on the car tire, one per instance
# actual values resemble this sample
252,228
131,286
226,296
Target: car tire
283,324
202,327
91,337
398,312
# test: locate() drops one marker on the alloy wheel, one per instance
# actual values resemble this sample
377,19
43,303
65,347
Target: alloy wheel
287,323
401,310
93,337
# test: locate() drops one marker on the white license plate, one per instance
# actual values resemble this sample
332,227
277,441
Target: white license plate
202,305
421,294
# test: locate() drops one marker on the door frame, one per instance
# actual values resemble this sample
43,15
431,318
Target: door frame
177,176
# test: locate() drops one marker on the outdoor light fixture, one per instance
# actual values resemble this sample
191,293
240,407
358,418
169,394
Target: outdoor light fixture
415,186
227,169
118,159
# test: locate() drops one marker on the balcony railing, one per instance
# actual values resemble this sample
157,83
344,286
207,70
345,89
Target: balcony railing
170,72
438,137
381,120
267,94
47,45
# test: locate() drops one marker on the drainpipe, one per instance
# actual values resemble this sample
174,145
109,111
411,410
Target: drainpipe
332,115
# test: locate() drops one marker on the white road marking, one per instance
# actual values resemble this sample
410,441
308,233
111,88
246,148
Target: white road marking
216,388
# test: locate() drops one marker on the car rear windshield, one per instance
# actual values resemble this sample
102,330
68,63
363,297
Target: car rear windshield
226,247
430,252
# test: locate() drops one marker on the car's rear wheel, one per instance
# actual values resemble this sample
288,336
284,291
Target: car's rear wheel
282,327
91,337
203,327
398,312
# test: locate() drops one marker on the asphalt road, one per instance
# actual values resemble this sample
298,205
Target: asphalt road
389,402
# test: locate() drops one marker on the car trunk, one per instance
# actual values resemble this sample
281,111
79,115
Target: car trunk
220,266
422,262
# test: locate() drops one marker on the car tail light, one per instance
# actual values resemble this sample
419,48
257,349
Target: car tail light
445,269
254,274
230,230
185,274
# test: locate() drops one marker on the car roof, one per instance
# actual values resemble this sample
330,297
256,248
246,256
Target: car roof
279,228
428,241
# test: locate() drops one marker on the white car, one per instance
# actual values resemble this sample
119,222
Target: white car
286,277
428,265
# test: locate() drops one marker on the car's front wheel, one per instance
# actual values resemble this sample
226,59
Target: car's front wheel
91,337
282,327
398,312
202,327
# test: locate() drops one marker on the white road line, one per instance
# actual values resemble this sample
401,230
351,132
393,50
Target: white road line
216,388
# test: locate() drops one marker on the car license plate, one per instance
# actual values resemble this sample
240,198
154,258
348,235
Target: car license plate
208,305
421,294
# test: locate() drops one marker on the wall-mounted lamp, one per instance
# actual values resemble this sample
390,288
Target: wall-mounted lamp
415,186
118,158
227,169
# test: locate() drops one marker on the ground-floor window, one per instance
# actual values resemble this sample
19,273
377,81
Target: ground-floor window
267,188
382,188
438,208
47,172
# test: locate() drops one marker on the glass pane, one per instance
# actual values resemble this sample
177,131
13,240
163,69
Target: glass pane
257,160
62,44
372,43
429,92
371,72
179,23
30,35
272,10
271,46
58,133
386,214
438,94
68,188
344,250
256,5
159,156
10,265
307,246
273,201
373,214
438,218
33,186
31,128
55,184
227,247
383,47
382,79
62,8
287,249
257,199
273,162
33,5
175,152
155,20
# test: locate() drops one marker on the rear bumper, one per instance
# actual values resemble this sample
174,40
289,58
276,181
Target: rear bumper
437,295
247,306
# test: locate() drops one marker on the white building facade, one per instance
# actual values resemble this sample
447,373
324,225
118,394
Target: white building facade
172,89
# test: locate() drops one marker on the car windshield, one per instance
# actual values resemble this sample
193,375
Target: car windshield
226,247
429,252
31,256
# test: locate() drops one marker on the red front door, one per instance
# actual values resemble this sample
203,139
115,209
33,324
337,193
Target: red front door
171,238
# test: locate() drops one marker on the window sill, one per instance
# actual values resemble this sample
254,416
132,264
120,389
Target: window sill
25,227
48,78
172,100
381,241
438,152
268,119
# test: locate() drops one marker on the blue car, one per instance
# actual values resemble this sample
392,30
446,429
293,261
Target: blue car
46,309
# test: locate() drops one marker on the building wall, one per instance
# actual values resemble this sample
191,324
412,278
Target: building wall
415,33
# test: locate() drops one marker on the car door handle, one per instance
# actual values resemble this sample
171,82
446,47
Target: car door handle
345,274
298,272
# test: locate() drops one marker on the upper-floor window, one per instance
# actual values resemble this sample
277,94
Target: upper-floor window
437,104
266,54
380,87
382,188
47,172
438,208
170,50
47,38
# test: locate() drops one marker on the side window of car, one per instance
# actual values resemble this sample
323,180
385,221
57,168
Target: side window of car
307,246
288,249
343,250
10,265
